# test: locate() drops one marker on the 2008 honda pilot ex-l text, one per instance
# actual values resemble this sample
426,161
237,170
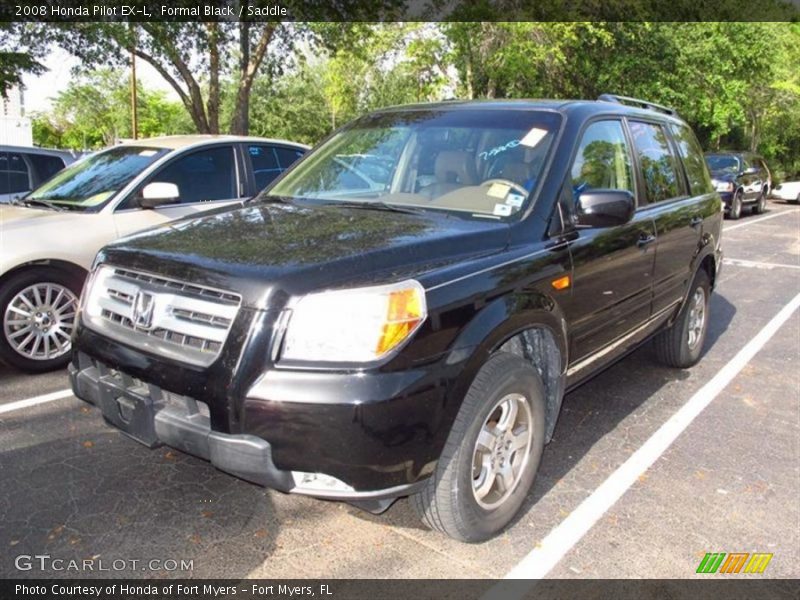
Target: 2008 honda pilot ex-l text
401,313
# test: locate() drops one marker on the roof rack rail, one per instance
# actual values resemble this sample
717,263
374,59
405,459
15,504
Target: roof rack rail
637,102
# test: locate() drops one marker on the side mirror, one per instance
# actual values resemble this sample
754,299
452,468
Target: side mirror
159,193
605,208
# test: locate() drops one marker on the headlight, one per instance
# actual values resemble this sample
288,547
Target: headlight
356,325
723,186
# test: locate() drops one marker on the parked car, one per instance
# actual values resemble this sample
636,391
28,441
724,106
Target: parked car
742,180
788,191
51,236
335,339
24,168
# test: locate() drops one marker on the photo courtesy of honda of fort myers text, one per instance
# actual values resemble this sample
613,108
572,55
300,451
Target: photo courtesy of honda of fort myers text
399,299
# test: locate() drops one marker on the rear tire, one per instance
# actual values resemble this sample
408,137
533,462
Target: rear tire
735,210
761,204
37,315
681,344
492,454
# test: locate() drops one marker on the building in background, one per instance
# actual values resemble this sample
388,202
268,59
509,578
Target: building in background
15,127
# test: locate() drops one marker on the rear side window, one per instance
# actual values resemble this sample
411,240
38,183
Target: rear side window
45,166
270,161
693,160
656,161
13,173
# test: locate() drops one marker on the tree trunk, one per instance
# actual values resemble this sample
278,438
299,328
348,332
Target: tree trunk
212,105
240,121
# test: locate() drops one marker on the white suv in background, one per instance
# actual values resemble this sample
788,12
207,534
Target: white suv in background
49,238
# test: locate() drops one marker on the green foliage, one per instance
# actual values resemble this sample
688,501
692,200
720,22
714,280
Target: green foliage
94,111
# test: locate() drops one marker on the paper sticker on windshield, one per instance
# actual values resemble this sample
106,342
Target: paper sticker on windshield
514,199
502,210
147,153
533,137
96,199
498,190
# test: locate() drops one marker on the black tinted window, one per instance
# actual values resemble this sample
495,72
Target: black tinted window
203,176
265,164
13,173
693,160
656,161
45,166
287,157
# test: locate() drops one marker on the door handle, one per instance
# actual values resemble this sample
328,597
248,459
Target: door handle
696,221
645,240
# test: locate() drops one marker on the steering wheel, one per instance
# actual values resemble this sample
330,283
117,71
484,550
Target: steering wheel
512,184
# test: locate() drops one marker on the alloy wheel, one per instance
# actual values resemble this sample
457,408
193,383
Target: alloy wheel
38,321
501,451
697,317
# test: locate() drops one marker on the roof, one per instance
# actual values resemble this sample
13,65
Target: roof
37,150
580,107
177,142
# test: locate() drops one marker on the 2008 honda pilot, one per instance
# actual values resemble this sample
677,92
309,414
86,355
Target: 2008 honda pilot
401,313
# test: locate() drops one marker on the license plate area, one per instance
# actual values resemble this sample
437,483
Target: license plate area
130,406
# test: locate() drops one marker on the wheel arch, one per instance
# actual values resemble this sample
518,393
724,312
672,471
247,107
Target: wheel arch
66,266
528,324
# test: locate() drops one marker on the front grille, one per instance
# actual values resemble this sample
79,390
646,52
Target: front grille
185,321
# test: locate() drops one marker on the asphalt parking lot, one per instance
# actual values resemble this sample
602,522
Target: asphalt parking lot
73,488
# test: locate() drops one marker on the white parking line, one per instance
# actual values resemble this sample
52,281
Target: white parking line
754,264
5,408
754,221
541,560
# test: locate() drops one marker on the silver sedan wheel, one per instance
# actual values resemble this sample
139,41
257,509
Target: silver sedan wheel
502,450
38,321
697,317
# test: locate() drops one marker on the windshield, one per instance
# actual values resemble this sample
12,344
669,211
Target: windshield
481,162
95,179
722,162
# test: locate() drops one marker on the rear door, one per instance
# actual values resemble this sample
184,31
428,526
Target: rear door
613,266
665,197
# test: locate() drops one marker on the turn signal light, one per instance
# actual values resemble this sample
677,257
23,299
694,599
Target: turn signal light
404,312
562,283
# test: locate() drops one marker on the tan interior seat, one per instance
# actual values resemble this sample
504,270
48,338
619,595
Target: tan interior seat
453,169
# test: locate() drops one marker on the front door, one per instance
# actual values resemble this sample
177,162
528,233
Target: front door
613,266
205,179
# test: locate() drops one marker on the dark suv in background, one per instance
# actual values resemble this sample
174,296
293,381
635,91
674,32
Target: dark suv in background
401,313
24,168
742,180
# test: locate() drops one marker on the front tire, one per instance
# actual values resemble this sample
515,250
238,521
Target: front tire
37,308
681,344
491,457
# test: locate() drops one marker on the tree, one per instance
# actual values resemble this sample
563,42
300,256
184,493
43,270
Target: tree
93,112
22,60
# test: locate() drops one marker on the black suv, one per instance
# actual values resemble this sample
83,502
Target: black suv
741,178
401,313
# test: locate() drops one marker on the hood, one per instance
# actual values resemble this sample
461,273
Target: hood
267,251
13,218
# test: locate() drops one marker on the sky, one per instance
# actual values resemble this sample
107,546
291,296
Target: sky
39,90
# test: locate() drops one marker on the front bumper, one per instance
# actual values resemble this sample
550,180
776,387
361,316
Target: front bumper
154,417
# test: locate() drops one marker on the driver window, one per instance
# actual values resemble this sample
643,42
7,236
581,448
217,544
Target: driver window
603,160
202,176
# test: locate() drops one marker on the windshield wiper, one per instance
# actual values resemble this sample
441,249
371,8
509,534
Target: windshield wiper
379,206
37,202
